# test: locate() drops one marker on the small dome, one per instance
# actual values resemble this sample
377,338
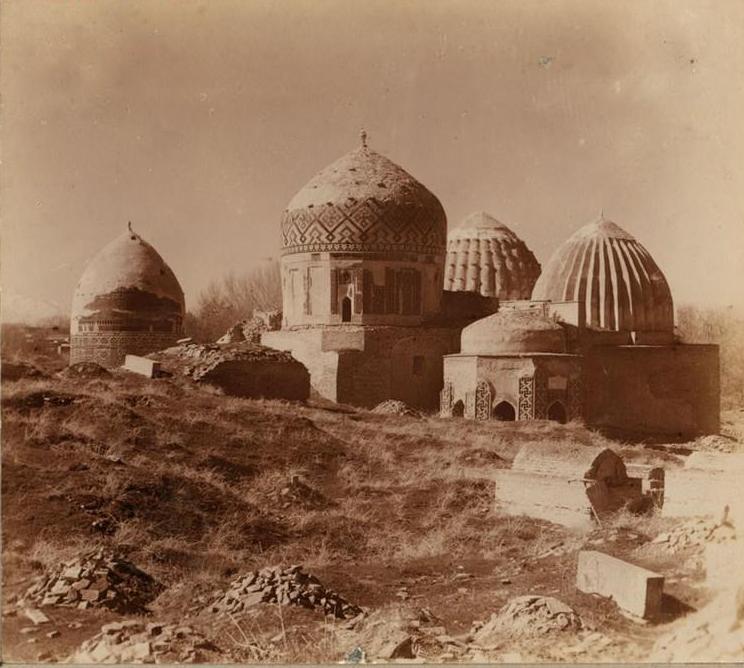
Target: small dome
128,302
127,275
364,202
510,332
485,256
613,276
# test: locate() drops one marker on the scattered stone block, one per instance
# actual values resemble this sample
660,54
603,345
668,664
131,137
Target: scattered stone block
570,485
36,616
634,589
142,365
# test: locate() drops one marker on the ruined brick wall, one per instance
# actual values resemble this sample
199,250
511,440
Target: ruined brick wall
110,348
307,346
665,390
261,379
364,366
397,363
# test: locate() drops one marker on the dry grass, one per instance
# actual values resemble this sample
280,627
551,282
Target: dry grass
191,485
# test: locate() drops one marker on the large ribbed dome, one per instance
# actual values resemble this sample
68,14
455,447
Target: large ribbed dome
485,256
128,300
614,278
364,202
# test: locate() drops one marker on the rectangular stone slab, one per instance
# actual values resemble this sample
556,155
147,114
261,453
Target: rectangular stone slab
142,365
635,589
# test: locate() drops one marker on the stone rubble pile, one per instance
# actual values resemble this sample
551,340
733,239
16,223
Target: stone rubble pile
528,615
696,532
251,329
96,579
716,443
143,642
395,407
400,632
199,359
284,586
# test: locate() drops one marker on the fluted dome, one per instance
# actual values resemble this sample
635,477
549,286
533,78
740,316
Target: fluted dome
613,276
485,256
364,202
513,332
128,300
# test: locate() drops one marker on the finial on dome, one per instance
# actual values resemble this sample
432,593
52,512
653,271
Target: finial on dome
601,214
129,226
363,137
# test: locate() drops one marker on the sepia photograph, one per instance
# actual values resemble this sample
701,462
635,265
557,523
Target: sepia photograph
374,331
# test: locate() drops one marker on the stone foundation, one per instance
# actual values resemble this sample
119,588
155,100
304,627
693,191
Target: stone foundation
364,366
110,348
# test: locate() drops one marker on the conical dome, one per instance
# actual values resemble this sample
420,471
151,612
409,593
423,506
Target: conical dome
364,202
614,278
128,300
485,256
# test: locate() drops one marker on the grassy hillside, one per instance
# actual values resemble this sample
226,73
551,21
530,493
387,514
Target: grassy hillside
195,488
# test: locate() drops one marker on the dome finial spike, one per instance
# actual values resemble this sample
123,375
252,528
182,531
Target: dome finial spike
129,226
363,137
601,214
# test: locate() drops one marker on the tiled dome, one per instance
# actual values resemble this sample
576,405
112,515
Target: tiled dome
614,278
128,300
485,256
364,202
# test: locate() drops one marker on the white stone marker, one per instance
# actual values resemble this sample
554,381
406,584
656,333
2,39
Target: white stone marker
635,589
142,365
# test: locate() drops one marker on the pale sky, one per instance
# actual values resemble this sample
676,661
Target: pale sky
198,121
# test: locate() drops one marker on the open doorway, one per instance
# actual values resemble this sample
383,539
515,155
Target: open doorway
557,412
505,412
346,309
458,409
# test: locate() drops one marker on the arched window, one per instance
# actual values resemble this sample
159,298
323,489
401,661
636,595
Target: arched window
557,412
504,411
346,309
458,409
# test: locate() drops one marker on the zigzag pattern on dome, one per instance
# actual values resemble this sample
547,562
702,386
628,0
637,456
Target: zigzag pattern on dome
364,202
367,226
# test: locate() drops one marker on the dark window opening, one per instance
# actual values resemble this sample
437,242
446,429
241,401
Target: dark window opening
557,412
418,365
346,310
504,411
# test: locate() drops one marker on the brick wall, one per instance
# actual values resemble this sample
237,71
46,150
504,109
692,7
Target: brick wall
665,390
110,348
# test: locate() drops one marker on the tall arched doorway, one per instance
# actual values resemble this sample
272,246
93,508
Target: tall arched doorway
458,409
557,412
346,309
505,412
